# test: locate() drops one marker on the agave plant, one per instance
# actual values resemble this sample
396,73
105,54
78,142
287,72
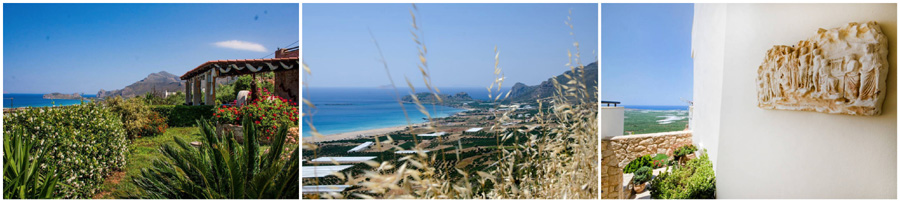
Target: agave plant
222,168
23,176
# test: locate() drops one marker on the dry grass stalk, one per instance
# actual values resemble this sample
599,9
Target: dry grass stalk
561,163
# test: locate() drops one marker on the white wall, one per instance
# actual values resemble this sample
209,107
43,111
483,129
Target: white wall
793,154
708,51
612,121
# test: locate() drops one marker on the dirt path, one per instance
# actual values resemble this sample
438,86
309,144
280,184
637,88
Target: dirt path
113,178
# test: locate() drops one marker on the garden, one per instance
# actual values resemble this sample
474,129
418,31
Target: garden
682,176
151,147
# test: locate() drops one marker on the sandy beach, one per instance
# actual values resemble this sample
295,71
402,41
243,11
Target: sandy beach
355,134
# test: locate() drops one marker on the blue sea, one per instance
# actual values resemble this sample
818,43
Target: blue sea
37,100
655,107
340,110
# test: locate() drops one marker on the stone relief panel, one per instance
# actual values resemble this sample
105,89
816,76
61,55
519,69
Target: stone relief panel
839,71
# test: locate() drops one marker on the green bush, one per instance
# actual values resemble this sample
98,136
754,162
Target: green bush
638,163
83,142
223,168
23,176
135,115
695,180
660,160
683,151
642,175
225,93
156,124
183,115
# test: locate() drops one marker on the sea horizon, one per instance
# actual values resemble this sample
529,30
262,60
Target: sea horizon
37,100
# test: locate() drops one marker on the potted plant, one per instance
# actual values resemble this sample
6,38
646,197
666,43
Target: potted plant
683,152
641,177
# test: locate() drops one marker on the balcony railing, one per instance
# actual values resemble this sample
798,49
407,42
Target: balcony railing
614,103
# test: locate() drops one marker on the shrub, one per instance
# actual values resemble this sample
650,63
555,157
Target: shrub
695,180
183,115
683,151
156,124
225,93
84,142
24,176
642,175
638,163
222,168
175,99
267,114
660,160
135,115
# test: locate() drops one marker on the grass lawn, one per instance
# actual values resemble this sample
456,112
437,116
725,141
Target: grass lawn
142,152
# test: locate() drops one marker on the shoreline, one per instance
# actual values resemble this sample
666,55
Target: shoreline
357,134
371,132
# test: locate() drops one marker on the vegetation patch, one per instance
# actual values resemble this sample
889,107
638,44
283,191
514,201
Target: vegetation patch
183,115
84,143
638,121
694,180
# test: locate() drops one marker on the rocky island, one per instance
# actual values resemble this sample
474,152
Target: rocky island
60,96
447,99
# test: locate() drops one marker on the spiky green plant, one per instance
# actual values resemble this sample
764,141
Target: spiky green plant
23,176
223,168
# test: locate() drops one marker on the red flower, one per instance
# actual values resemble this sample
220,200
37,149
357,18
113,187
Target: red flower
257,122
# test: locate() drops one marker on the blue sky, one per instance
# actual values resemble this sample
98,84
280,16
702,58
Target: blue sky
74,48
646,53
460,38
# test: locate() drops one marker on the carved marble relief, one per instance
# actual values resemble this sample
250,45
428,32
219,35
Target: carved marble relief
839,71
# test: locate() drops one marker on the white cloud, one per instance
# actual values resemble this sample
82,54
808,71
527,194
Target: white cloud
242,45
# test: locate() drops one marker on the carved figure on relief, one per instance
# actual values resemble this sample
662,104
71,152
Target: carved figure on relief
841,71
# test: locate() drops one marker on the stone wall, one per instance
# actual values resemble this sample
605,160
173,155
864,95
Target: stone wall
618,151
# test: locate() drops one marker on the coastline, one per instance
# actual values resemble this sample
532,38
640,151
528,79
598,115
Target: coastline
357,134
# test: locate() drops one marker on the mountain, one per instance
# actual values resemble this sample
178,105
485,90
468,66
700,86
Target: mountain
161,81
448,99
521,92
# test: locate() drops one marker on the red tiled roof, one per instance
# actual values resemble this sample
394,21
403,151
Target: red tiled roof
209,64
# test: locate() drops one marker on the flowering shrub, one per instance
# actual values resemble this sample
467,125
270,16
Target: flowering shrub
135,115
268,112
156,124
84,143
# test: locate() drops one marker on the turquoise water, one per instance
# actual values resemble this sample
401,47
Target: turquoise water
37,100
340,110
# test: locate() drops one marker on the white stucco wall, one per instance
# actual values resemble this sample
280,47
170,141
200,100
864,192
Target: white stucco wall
612,121
792,154
708,51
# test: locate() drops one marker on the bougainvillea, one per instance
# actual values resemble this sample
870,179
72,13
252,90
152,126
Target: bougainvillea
268,112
